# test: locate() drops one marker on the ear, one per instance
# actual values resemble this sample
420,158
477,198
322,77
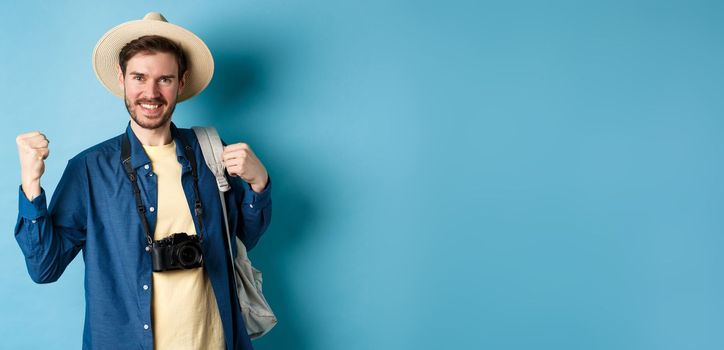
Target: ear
120,76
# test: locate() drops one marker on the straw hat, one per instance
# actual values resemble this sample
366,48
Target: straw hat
105,55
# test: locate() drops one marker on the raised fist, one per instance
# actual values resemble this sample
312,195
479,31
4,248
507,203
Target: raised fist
32,151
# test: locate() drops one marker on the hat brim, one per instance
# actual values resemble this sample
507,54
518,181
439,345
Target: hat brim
200,62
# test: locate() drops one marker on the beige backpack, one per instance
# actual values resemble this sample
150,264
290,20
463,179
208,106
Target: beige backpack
258,316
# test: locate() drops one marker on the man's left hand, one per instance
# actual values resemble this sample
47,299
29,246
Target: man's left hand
241,161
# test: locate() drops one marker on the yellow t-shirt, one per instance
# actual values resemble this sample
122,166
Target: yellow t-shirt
185,313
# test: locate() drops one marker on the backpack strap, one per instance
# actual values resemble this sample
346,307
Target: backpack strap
212,148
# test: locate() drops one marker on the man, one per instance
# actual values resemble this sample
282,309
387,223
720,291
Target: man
120,202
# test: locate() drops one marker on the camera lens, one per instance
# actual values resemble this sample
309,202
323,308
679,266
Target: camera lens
189,255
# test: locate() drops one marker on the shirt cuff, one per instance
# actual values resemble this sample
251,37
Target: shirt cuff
260,199
32,209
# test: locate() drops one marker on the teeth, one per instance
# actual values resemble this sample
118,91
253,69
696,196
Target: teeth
149,106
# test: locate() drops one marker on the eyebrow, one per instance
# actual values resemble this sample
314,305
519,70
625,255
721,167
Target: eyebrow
169,76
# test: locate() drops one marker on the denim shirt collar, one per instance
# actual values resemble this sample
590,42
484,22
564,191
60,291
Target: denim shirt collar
139,158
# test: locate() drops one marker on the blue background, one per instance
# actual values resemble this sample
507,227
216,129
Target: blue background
448,175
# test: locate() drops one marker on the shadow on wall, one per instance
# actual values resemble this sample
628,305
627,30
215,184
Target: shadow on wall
242,78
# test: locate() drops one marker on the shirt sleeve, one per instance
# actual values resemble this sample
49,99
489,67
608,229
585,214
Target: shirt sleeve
51,237
255,211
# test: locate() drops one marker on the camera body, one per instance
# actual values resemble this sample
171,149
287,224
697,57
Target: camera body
177,251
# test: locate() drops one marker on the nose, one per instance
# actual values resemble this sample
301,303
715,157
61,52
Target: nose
151,90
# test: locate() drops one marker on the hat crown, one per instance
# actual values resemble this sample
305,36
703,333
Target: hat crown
154,16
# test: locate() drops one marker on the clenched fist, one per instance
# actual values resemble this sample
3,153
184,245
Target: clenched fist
241,161
32,151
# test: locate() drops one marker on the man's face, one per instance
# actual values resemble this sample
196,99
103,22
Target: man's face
151,86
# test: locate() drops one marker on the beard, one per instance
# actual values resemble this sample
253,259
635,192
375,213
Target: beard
144,122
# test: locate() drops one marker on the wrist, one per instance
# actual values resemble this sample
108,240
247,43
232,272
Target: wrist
259,186
30,182
31,188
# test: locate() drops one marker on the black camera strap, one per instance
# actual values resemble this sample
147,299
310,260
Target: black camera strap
126,160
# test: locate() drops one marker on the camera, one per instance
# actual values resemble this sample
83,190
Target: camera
177,251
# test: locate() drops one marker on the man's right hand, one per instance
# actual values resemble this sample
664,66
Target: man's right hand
32,151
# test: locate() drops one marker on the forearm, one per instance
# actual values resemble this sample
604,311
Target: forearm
256,221
256,214
48,249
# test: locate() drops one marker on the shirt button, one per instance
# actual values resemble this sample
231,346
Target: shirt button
145,287
151,174
251,205
145,326
145,166
148,248
152,209
34,221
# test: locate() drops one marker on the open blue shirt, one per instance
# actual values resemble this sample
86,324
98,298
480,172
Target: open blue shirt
93,210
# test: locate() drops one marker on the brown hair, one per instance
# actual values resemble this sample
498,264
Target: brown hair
150,44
